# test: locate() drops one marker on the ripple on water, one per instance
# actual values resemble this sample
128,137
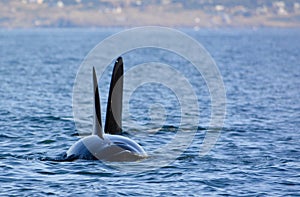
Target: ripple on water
257,153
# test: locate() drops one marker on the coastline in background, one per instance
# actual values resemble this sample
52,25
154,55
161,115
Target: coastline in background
129,13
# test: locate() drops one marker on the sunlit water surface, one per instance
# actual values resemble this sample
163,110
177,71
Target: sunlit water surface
256,154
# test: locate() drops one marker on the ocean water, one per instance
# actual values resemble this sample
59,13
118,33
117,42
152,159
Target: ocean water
257,153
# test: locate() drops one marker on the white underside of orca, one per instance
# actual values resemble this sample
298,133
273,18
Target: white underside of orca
102,146
112,148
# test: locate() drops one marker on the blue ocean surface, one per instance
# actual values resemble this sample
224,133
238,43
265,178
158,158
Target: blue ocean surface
257,153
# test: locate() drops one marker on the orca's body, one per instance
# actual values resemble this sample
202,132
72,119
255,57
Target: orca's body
111,148
108,146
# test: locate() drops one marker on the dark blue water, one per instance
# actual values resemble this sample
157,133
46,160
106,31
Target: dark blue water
257,153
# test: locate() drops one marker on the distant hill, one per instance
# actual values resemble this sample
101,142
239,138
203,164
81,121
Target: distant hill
173,13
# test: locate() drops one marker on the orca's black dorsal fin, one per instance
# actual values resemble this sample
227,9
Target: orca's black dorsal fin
113,122
97,124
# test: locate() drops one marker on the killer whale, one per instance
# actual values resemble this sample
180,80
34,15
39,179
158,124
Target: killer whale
108,145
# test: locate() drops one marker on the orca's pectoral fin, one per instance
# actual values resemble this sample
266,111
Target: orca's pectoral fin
113,122
97,124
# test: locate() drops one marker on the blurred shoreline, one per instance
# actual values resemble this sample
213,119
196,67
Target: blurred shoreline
131,13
